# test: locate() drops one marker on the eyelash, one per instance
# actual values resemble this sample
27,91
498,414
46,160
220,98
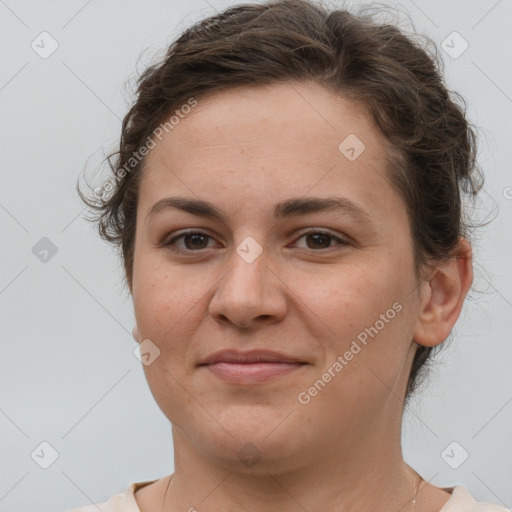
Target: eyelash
170,246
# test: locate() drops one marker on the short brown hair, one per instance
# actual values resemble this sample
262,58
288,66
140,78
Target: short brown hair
398,83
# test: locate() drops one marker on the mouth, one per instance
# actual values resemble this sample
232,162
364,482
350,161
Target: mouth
252,367
251,373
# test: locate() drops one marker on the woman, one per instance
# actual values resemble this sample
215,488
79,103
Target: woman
287,197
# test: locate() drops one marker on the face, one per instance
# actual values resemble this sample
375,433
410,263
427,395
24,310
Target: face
331,287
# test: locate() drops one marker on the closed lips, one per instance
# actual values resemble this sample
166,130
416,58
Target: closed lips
252,357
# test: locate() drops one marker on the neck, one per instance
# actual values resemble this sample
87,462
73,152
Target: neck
369,479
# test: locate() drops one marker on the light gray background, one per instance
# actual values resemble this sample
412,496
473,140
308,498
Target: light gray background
68,373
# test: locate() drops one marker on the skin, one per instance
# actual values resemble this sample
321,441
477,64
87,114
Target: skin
245,150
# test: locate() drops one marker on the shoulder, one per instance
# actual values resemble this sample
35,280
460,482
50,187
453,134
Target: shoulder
120,502
461,500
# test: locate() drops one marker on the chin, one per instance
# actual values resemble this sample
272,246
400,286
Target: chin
251,443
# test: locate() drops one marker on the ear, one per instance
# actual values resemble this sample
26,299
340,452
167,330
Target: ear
442,297
135,334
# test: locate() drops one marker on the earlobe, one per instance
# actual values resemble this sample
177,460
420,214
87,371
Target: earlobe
135,334
443,296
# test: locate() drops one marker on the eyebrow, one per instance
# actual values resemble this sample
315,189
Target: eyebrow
292,207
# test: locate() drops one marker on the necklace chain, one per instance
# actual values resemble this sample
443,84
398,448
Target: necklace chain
413,500
416,493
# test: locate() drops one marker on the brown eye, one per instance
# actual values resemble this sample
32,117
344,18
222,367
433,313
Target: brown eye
193,240
318,240
196,240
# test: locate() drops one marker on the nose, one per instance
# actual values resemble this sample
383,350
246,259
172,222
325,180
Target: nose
249,294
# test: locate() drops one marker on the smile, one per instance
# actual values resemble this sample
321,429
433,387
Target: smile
251,373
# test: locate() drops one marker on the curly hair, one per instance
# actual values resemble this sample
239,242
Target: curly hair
396,80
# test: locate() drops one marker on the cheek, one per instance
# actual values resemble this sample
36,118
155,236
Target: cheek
362,315
167,301
350,298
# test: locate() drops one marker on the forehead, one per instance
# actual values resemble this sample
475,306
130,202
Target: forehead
286,138
284,112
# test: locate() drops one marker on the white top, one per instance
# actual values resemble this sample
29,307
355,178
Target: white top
461,501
